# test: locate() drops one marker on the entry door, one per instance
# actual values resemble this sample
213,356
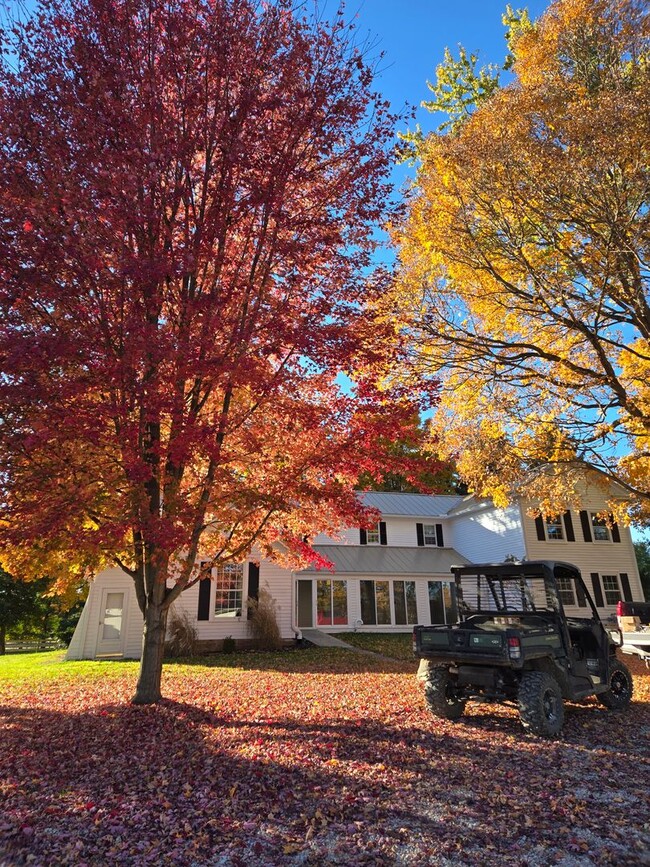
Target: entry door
110,639
305,603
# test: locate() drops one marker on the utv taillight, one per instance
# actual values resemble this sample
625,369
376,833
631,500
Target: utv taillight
620,608
514,647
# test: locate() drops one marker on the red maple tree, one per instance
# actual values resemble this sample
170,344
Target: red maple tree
188,192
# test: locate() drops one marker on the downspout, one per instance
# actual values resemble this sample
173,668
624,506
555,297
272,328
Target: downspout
297,634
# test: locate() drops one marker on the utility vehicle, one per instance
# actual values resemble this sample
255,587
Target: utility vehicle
514,642
634,622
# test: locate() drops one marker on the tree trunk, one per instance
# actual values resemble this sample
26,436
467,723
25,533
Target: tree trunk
153,649
3,633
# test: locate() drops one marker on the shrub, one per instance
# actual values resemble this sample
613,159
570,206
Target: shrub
229,644
263,621
182,635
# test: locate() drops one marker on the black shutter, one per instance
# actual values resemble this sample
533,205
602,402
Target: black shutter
580,593
586,526
616,536
204,599
382,533
440,542
363,537
598,593
253,580
419,530
568,526
539,526
625,584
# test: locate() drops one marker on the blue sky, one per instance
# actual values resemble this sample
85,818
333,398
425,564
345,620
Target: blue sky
413,35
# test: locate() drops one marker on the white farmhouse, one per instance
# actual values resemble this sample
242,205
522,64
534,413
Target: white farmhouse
387,578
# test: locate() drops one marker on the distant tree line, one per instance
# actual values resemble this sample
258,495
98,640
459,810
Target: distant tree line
30,610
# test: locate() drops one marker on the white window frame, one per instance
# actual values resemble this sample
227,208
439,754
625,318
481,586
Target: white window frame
598,525
373,537
566,592
221,576
617,590
391,600
331,582
556,523
403,581
429,535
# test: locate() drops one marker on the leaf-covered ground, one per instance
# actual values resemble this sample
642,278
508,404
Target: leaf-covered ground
308,757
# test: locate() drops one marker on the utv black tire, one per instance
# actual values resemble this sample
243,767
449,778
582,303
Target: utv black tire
440,696
540,704
620,689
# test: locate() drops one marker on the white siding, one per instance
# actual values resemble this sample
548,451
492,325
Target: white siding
605,558
279,582
84,640
75,648
483,534
273,578
400,532
354,602
488,535
349,536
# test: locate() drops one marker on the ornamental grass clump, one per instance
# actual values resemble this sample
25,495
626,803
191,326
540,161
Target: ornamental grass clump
182,638
263,621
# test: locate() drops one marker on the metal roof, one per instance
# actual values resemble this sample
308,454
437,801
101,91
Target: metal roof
387,560
411,505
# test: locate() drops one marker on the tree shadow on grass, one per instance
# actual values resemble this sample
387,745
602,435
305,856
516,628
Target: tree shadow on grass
178,784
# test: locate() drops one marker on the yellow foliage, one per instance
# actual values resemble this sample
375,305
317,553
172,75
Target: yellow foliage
526,239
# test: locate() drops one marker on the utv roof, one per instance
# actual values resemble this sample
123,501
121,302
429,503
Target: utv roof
532,567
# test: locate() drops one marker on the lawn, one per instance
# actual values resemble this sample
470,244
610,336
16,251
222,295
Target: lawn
397,646
307,757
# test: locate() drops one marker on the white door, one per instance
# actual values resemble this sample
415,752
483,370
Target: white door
110,638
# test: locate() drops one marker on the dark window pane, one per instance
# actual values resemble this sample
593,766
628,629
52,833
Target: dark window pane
449,603
340,602
368,602
436,604
400,602
324,603
383,602
411,603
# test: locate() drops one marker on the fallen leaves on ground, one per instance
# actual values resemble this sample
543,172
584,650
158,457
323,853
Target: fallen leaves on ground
310,757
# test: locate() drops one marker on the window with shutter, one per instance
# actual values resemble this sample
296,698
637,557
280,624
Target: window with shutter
429,534
372,535
599,528
612,589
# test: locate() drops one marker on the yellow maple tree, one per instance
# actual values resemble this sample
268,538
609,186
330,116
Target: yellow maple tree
524,264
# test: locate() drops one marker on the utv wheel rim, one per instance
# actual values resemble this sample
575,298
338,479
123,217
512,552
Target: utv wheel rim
619,685
550,706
